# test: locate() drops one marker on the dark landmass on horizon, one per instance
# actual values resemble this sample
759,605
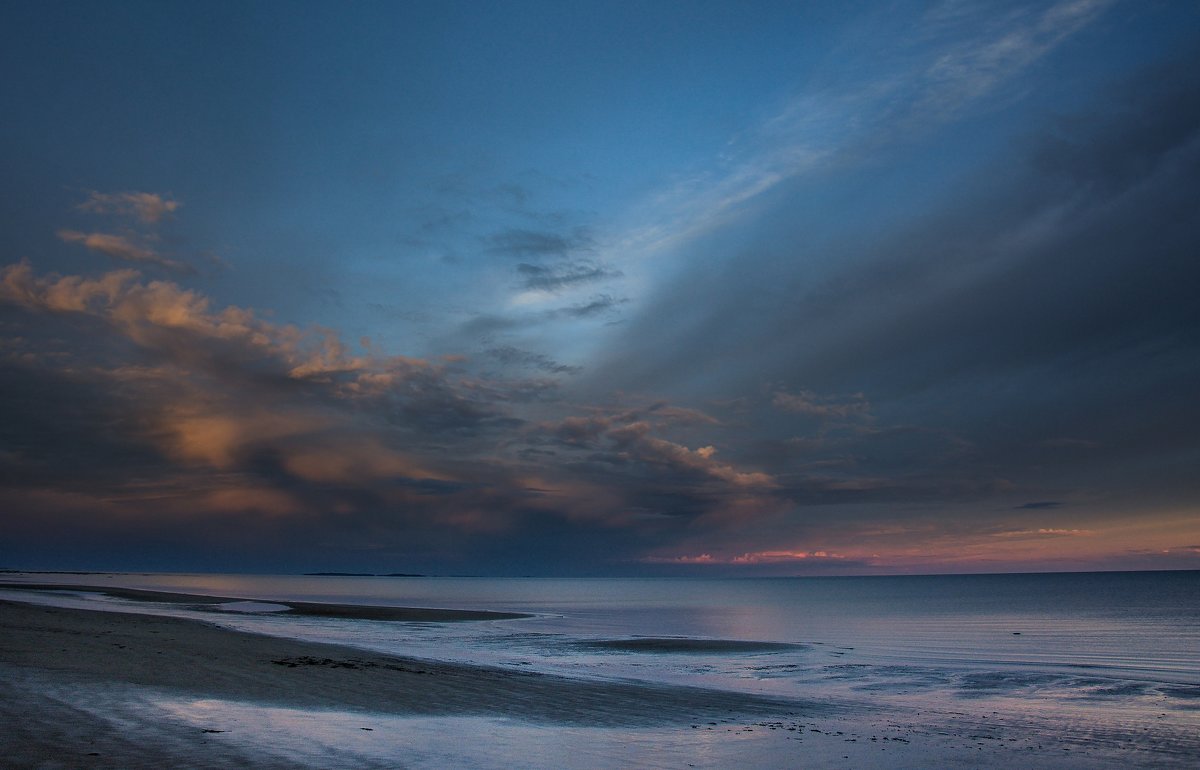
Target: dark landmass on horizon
364,574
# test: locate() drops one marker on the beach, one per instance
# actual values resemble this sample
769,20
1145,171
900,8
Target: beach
50,655
91,688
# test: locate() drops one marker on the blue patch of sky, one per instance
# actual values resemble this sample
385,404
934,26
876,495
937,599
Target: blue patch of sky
316,148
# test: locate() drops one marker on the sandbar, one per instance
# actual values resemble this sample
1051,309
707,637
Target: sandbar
314,609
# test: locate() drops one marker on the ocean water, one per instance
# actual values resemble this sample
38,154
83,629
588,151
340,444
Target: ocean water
1105,662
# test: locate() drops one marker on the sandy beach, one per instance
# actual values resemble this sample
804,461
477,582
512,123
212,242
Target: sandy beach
48,650
193,657
120,689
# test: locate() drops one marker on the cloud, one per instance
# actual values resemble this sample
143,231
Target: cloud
594,306
822,407
774,556
748,558
534,243
354,460
149,208
1044,532
235,346
486,326
1070,443
562,275
998,52
666,413
163,316
1044,297
896,97
626,442
220,412
223,436
1031,308
122,248
703,558
511,356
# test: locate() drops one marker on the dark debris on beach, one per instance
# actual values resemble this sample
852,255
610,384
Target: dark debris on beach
307,660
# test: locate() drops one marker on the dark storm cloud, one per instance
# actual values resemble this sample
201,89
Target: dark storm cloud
1051,299
220,388
864,318
61,429
137,409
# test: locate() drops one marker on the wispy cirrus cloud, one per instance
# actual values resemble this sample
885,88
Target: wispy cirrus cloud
999,51
966,57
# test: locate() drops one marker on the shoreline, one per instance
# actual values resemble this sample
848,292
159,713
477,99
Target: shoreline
92,688
120,689
201,659
309,609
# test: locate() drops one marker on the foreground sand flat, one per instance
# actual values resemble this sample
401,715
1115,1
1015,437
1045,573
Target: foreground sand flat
49,655
194,657
87,688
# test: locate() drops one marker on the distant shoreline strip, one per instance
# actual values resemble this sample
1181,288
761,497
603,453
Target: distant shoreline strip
308,609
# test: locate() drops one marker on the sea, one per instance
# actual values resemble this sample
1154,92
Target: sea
1094,669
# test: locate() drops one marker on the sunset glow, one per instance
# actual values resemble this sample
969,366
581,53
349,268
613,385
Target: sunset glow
598,289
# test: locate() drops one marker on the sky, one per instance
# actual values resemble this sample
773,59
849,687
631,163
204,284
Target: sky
598,288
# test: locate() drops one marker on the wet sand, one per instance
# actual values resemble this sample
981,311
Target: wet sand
89,688
50,649
198,658
311,609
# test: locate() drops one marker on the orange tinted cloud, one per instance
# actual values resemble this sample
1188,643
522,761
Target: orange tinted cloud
749,557
142,310
220,439
147,207
259,499
353,460
123,248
